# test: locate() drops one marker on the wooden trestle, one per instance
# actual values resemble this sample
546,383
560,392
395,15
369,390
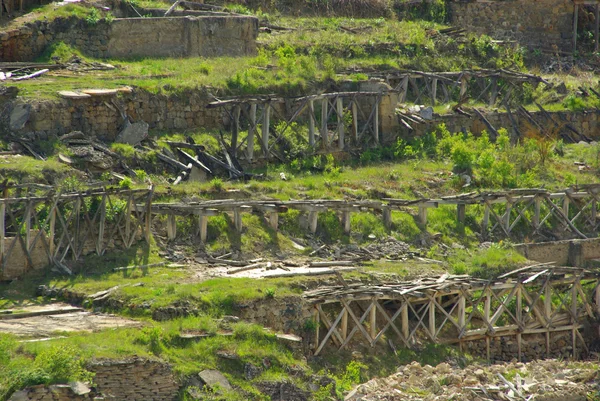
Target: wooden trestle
458,309
535,212
69,225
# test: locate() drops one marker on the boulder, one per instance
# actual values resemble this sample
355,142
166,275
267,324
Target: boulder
214,380
19,116
134,133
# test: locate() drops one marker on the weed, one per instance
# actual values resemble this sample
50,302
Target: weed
126,183
270,293
216,184
93,17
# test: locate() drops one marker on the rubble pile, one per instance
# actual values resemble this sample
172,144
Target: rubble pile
540,380
384,248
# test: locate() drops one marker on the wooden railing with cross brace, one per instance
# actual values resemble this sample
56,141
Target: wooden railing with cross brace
316,111
520,213
42,230
458,309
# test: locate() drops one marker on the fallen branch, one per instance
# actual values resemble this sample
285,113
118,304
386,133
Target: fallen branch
30,76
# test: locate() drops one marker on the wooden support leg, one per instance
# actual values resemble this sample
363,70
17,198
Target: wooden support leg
373,320
312,221
596,27
461,213
203,227
265,130
273,220
575,20
311,123
486,220
324,117
251,131
346,222
594,212
376,123
171,227
237,219
387,217
317,318
434,85
340,122
507,216
566,204
344,325
423,215
2,233
355,121
235,130
432,320
405,324
536,212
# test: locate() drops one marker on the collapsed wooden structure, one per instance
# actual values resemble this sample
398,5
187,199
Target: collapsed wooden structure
317,110
456,309
533,212
55,227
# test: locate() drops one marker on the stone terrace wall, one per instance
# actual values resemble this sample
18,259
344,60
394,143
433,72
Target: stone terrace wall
205,36
99,116
133,379
585,122
564,253
534,23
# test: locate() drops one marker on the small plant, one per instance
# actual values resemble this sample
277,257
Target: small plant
93,17
270,293
216,184
109,18
126,183
141,175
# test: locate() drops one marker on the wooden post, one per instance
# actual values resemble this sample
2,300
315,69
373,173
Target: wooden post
596,27
27,219
237,219
536,212
519,316
461,213
486,220
373,320
594,212
100,240
251,132
355,121
486,316
273,220
463,87
235,129
312,220
387,217
51,230
404,91
340,122
405,325
575,19
346,221
423,215
311,123
148,216
566,203
265,130
548,314
317,318
203,227
434,85
127,218
324,130
344,324
494,92
171,227
2,231
574,316
376,122
506,217
432,319
462,306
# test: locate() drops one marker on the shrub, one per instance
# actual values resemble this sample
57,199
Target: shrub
93,17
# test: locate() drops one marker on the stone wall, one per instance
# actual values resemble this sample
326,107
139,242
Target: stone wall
585,122
16,265
134,379
205,36
534,23
287,315
533,346
564,253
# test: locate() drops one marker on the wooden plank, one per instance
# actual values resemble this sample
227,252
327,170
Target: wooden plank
171,227
373,320
432,330
354,121
235,130
311,123
434,85
344,326
251,133
575,18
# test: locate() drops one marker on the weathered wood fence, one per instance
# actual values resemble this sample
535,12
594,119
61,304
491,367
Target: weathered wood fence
458,309
531,212
324,114
54,227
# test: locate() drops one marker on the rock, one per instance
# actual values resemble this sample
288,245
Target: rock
283,391
20,396
444,368
214,380
251,371
426,113
134,133
19,116
80,388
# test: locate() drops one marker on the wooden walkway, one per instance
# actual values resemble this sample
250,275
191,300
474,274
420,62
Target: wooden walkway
457,309
532,212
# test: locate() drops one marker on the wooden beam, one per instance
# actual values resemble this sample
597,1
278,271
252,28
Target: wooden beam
346,222
354,121
203,227
312,221
235,130
171,227
387,217
575,20
376,122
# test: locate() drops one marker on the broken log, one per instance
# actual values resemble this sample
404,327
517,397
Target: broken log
33,75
